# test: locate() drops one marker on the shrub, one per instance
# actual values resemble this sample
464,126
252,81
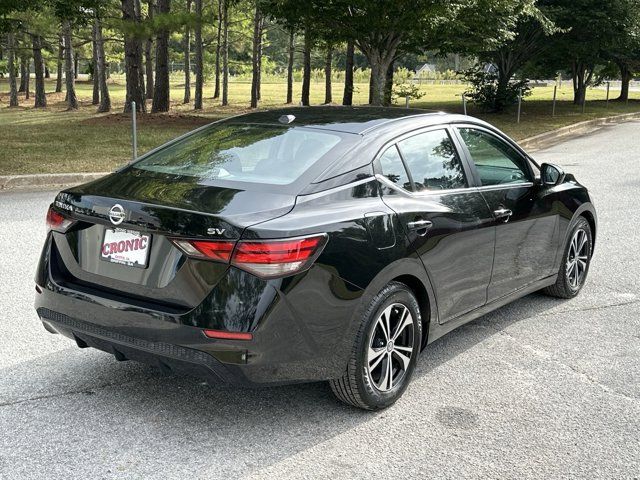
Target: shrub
407,89
489,93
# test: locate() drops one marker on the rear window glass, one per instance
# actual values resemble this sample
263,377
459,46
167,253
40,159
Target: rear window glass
393,168
244,153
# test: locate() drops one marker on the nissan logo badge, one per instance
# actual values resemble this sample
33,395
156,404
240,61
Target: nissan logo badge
116,214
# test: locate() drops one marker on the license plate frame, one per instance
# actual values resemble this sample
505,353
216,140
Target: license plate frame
125,242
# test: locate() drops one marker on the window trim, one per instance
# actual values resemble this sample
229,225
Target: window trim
450,131
526,159
377,165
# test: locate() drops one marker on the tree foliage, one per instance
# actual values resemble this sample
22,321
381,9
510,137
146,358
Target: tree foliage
588,39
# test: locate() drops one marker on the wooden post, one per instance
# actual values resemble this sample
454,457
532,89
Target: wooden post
519,104
608,87
555,96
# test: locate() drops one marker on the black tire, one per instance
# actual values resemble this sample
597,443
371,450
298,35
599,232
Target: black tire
358,387
564,287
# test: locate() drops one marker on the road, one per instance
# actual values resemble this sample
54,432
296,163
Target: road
541,388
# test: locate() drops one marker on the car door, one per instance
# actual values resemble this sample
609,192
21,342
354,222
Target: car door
446,220
526,225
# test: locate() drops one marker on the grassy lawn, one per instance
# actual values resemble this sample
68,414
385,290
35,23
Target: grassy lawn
54,141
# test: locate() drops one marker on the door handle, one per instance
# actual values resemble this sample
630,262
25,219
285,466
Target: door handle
503,213
420,225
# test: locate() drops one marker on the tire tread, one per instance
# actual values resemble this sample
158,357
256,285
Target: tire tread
559,289
346,388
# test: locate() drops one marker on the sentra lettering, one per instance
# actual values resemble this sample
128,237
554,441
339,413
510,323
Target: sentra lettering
122,246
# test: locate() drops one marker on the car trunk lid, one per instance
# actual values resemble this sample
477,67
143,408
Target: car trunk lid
159,208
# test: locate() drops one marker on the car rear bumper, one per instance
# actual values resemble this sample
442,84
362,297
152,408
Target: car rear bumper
303,332
169,358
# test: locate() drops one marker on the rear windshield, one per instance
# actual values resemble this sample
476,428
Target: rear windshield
245,153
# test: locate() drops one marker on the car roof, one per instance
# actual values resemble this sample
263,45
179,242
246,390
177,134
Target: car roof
357,120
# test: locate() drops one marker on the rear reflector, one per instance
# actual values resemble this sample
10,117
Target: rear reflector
222,335
265,258
57,222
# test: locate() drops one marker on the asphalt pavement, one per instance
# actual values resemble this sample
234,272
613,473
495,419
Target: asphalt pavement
541,388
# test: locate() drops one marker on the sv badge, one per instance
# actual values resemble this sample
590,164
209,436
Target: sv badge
215,231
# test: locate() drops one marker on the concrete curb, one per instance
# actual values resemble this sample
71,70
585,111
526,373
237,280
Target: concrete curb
46,180
548,139
60,180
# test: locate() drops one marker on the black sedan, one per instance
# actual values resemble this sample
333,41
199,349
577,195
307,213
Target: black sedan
310,244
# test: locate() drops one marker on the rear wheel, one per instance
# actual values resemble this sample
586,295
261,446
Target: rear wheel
575,262
385,351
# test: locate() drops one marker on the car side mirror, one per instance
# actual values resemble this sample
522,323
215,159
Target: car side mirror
551,175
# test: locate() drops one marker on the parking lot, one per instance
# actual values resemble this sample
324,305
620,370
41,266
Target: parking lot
541,388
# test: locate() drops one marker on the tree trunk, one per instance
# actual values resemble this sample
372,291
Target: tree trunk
225,52
24,75
69,72
388,85
379,60
216,91
76,61
306,73
500,102
148,57
133,62
11,57
139,47
161,99
27,78
255,57
101,69
347,97
625,76
260,45
290,67
582,75
47,73
94,66
59,64
199,57
507,67
327,75
41,98
187,57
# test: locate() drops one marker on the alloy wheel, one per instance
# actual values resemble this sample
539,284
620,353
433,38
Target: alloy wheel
577,258
391,347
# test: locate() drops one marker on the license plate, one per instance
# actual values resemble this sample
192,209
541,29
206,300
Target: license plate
125,247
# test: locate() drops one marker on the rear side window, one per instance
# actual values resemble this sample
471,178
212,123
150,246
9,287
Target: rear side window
433,161
246,153
393,168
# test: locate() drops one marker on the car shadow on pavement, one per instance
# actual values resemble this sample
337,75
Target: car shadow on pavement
71,392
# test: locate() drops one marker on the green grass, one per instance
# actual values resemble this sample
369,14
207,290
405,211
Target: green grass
53,140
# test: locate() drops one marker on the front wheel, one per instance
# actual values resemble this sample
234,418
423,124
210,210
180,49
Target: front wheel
385,352
575,262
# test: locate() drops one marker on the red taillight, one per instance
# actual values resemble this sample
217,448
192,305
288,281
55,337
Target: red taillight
222,335
276,252
217,251
265,258
277,258
57,221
